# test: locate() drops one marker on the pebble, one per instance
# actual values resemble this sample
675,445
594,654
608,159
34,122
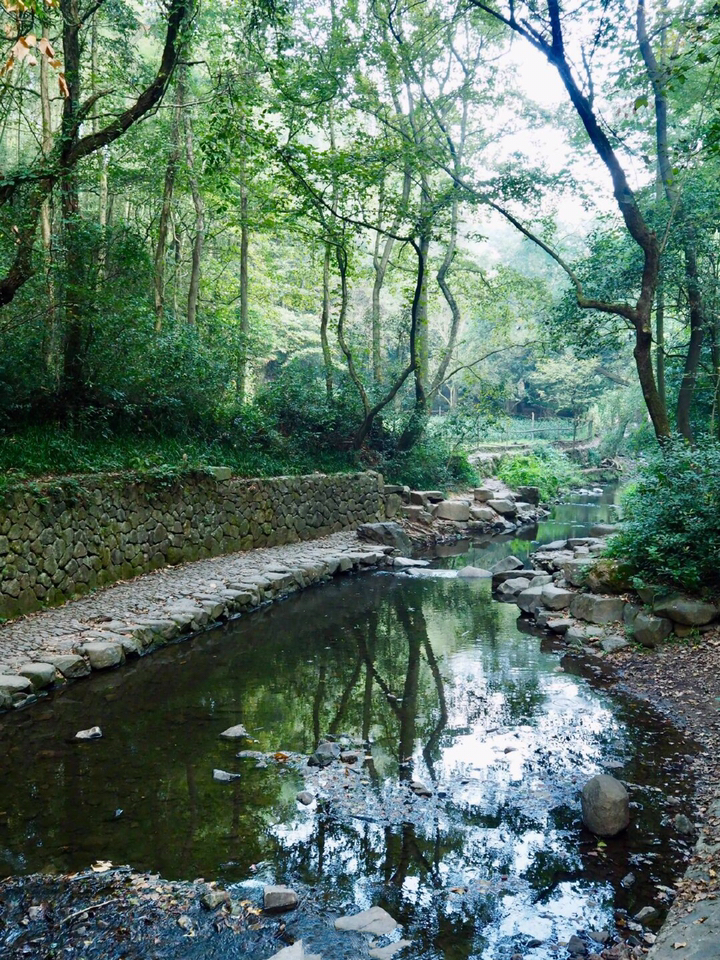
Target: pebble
305,798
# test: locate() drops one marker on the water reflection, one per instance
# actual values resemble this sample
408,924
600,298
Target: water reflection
442,684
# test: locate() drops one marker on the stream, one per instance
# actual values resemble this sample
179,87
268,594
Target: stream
440,684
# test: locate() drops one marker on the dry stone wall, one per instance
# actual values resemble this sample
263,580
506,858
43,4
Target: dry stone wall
64,539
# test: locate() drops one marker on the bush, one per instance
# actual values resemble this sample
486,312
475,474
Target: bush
430,464
671,528
546,468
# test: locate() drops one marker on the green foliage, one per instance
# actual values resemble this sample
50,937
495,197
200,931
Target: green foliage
546,468
671,527
430,464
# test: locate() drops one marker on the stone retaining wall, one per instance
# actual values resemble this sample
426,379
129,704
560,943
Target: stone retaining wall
63,539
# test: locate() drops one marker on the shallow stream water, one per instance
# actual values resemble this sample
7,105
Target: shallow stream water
438,679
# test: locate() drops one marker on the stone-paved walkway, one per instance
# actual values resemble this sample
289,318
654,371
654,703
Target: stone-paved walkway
129,618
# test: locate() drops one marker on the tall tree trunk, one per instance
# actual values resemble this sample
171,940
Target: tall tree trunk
244,314
199,204
165,212
326,304
101,163
658,75
50,346
73,385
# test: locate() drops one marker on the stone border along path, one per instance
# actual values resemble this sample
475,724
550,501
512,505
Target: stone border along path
132,618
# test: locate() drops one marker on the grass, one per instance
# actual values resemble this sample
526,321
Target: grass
49,452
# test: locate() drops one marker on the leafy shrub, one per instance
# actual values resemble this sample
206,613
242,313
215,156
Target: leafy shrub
546,468
671,528
430,464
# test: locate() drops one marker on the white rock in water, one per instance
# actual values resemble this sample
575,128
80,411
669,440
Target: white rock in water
234,733
222,776
375,920
93,733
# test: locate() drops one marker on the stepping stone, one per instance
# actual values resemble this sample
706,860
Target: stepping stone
375,921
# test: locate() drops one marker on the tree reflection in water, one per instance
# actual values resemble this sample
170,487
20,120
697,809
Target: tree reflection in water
439,679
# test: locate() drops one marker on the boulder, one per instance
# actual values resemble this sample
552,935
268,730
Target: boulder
530,600
608,576
579,636
484,514
11,684
102,655
474,573
509,589
529,494
613,643
575,571
388,534
559,624
39,674
650,631
506,564
504,507
278,898
605,806
686,611
325,754
596,609
458,510
305,797
71,666
554,598
483,494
